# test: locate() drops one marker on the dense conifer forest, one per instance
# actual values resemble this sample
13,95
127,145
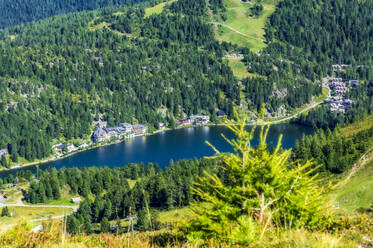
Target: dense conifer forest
61,74
15,12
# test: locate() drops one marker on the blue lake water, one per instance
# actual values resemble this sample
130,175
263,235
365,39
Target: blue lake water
177,144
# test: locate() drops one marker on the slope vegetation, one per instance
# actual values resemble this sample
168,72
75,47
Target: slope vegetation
357,192
15,12
242,29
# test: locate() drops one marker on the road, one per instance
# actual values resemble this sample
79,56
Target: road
75,208
20,203
294,115
313,105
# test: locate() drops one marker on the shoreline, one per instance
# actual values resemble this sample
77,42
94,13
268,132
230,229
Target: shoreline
108,144
117,141
260,123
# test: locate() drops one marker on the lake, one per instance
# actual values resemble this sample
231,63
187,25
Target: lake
185,143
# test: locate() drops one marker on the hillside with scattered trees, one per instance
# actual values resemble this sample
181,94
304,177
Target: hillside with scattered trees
61,74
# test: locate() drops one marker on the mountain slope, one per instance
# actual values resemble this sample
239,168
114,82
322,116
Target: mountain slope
63,73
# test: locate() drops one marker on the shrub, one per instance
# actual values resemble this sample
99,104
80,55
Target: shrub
259,190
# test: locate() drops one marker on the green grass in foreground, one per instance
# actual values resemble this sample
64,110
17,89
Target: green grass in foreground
239,19
157,9
31,213
175,215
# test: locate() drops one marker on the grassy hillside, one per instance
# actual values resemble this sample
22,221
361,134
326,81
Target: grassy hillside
357,192
33,215
252,28
157,9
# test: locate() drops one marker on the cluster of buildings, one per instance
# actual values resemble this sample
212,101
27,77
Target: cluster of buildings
234,56
338,87
338,104
339,67
124,130
194,119
66,148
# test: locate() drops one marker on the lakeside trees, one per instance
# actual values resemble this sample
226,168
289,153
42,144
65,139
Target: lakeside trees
333,151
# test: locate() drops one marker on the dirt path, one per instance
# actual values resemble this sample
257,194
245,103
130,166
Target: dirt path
21,204
365,158
236,31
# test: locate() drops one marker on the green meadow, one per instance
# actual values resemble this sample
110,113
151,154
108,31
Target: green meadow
238,18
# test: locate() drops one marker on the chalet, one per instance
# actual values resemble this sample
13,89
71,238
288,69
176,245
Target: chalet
139,129
101,124
3,152
71,148
344,66
83,145
234,56
199,119
340,67
334,80
76,200
60,146
99,135
338,104
112,132
184,122
127,127
354,83
336,67
221,113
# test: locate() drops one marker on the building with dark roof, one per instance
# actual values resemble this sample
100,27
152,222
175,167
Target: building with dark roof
221,113
100,135
139,129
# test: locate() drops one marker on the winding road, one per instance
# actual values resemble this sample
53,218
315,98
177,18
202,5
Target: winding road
294,115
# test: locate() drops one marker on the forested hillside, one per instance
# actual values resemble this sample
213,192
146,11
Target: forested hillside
331,32
15,12
63,73
59,75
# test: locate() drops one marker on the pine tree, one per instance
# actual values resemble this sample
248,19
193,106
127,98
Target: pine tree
5,212
263,189
104,225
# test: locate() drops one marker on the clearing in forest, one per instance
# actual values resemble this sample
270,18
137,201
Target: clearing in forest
242,29
157,9
239,69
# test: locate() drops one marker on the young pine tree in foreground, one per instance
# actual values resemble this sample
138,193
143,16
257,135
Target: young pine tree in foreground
260,191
